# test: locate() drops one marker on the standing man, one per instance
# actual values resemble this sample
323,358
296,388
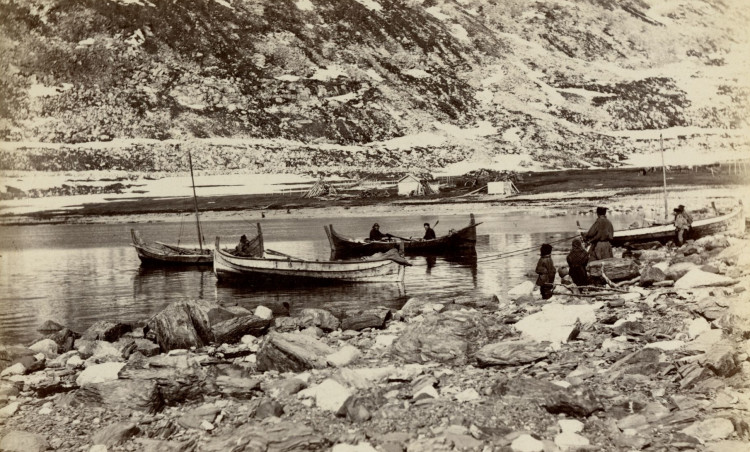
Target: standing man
599,235
429,233
682,223
546,271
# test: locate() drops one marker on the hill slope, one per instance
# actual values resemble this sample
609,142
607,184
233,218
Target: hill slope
560,81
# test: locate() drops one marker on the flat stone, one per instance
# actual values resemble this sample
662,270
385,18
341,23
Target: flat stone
699,278
105,330
329,395
293,352
115,434
263,312
268,408
99,373
46,346
570,425
343,356
712,429
571,441
555,322
511,353
355,410
524,289
320,318
527,443
634,421
359,447
9,410
19,441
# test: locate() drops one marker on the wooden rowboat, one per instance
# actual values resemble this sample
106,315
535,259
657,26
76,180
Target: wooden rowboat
386,268
732,222
155,253
464,238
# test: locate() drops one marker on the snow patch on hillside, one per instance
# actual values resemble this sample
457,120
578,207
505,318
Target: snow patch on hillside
331,72
416,73
370,4
304,5
435,12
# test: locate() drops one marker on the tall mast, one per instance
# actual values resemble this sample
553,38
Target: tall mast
195,202
664,177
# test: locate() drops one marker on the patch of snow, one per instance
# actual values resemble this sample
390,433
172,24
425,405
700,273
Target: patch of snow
343,98
460,33
304,5
416,73
370,4
435,12
287,77
224,3
333,71
485,96
39,90
374,75
585,93
513,135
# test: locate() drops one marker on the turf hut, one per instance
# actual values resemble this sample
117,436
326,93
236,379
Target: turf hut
411,185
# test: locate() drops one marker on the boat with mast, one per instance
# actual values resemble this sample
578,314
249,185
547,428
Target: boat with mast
158,253
730,222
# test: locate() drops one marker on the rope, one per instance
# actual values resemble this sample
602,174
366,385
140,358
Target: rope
518,252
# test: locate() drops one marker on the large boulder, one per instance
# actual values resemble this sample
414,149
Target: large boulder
182,324
616,269
292,352
451,337
232,330
105,330
136,395
320,318
651,275
369,318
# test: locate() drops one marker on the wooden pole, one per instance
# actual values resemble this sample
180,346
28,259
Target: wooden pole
195,203
664,177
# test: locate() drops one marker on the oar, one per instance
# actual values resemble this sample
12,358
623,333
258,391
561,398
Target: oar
276,253
436,223
400,238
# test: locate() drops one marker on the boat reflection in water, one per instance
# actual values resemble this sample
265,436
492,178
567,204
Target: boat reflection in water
168,283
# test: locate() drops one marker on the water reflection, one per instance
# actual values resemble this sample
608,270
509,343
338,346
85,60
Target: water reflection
78,274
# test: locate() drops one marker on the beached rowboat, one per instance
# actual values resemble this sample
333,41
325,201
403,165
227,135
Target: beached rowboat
386,268
464,238
732,222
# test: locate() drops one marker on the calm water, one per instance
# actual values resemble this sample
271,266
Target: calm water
78,274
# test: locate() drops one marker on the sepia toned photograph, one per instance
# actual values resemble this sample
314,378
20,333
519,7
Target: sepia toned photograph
374,225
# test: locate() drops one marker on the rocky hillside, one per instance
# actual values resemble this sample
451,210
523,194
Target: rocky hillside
556,80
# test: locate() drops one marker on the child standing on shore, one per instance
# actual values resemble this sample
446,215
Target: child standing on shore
546,271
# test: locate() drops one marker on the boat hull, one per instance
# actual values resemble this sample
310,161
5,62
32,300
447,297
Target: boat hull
159,254
732,222
463,239
264,270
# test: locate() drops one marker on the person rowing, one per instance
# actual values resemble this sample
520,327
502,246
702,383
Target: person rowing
376,235
429,233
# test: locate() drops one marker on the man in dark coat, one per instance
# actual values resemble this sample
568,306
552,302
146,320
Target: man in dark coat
577,260
683,221
429,233
546,271
375,233
599,235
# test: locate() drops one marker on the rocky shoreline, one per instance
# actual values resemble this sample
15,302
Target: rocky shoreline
658,360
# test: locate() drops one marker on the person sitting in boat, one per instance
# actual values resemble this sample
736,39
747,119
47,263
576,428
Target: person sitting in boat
599,235
683,221
242,248
429,233
577,260
546,271
375,233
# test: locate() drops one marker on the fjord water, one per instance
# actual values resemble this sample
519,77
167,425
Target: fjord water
76,274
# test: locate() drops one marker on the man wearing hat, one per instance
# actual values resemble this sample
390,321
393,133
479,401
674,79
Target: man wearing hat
375,233
599,235
682,222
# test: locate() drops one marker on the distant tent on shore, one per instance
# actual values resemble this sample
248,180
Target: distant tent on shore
320,189
505,187
410,185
